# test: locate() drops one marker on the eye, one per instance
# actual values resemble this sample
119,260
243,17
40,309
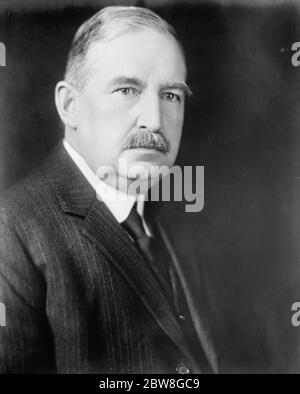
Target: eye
128,91
172,97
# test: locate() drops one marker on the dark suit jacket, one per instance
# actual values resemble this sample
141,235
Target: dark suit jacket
79,297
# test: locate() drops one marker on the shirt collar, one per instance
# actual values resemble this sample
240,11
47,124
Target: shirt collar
118,202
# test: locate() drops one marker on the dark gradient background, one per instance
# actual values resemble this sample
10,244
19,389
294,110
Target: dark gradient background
242,124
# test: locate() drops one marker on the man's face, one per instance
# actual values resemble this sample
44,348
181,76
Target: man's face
135,91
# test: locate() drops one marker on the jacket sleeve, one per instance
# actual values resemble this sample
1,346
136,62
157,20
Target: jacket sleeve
25,337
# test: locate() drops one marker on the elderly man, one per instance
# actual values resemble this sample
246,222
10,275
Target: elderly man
90,283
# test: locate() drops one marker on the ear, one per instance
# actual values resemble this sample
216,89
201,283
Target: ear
66,103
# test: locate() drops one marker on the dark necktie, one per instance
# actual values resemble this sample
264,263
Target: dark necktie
150,248
159,261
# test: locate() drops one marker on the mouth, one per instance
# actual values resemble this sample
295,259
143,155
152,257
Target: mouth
147,149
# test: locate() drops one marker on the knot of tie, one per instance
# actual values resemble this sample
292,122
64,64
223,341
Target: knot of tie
134,224
152,250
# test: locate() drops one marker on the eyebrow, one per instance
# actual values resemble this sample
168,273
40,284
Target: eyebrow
123,80
179,85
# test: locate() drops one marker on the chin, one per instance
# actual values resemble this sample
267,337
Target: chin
148,157
147,165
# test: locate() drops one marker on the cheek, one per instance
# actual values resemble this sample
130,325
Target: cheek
173,123
95,112
102,120
103,128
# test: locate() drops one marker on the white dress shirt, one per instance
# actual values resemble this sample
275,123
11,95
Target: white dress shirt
118,202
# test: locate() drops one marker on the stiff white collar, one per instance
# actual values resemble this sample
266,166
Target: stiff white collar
118,202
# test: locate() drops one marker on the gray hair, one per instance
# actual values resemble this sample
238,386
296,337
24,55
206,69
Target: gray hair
106,25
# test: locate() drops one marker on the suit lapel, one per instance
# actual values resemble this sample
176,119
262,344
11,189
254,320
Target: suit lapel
113,241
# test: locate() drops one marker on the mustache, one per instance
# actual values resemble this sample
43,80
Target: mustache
144,138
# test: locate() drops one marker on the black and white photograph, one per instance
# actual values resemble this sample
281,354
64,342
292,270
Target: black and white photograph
149,189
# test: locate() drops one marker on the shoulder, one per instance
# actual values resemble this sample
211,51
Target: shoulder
27,199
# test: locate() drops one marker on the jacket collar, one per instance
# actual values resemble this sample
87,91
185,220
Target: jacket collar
74,193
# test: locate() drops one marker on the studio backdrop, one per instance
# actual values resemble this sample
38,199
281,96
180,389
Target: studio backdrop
241,124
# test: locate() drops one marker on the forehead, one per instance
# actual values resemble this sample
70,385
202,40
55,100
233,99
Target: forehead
143,54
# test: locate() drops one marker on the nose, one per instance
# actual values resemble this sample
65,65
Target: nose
150,113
